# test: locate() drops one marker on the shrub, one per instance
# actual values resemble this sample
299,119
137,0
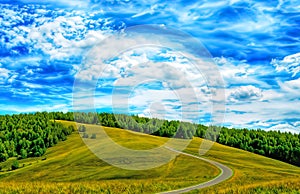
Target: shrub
15,165
93,136
82,128
85,135
71,128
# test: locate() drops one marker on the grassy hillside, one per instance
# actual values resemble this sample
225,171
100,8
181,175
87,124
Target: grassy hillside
252,173
70,167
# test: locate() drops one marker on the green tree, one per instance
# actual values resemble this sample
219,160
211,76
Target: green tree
23,153
15,165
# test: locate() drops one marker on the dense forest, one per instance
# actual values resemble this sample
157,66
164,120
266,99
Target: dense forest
27,135
273,144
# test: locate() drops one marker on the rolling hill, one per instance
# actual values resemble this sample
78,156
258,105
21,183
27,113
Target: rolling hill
71,167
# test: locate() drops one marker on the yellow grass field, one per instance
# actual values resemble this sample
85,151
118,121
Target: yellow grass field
70,167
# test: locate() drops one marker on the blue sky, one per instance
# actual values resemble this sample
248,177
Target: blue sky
254,44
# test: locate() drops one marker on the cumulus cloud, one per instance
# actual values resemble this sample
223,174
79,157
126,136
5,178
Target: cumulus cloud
29,29
64,37
246,93
169,75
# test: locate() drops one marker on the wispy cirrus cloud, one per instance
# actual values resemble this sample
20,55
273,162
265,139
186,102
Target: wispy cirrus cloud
289,64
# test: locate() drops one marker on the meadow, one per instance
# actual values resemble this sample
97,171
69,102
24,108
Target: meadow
253,173
70,167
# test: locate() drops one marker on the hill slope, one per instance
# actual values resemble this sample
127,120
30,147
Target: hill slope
70,167
253,173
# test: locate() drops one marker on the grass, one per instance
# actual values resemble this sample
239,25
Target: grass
252,173
70,167
106,186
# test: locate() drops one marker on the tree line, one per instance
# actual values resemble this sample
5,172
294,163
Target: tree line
29,135
283,146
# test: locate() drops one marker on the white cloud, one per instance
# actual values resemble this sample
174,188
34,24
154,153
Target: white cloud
236,72
289,90
12,78
51,37
290,64
246,94
285,128
261,114
296,124
163,72
4,74
26,109
154,102
291,86
73,3
272,95
142,64
61,34
181,83
65,34
151,11
34,86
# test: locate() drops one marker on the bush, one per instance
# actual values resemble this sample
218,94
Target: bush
85,135
71,128
82,128
93,136
15,165
3,157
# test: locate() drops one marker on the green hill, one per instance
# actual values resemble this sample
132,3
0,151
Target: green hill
71,167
